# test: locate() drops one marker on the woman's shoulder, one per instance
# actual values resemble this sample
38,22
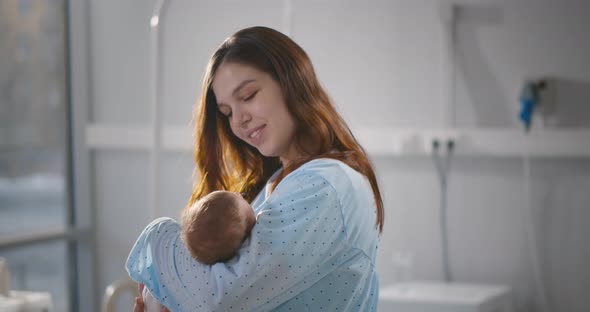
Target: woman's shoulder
337,173
327,166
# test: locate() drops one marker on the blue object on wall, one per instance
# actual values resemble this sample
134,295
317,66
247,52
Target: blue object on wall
529,100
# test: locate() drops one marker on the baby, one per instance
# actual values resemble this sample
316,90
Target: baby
213,229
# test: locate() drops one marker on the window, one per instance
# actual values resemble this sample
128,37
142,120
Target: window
38,234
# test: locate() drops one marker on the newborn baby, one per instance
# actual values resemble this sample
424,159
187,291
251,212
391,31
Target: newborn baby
213,229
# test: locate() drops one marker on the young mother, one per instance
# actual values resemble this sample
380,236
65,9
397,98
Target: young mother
265,128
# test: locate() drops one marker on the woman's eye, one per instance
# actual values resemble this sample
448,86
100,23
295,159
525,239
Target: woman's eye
251,96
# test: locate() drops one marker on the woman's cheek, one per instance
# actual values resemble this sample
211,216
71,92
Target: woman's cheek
231,126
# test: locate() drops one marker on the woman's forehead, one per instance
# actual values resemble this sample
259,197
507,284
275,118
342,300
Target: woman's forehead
229,77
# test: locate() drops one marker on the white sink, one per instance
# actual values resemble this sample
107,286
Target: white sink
444,297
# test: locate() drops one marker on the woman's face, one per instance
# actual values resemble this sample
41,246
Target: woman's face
254,105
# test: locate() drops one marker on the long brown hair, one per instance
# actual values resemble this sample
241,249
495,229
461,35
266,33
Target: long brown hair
224,162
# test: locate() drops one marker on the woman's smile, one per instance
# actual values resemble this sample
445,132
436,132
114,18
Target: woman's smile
256,135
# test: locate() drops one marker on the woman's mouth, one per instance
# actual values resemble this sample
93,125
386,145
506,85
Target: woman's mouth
256,134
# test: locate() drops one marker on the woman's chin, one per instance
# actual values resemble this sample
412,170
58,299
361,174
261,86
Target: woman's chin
267,153
263,151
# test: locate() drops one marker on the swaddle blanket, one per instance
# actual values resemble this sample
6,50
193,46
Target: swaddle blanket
161,240
150,303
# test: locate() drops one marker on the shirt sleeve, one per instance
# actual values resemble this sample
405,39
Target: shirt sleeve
298,239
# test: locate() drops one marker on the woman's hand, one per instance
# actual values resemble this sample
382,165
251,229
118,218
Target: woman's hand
139,306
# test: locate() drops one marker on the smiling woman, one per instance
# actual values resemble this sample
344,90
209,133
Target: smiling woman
254,105
267,129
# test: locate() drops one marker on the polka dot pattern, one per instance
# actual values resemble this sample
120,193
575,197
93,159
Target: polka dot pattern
313,248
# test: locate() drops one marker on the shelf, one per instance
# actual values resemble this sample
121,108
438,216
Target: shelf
486,142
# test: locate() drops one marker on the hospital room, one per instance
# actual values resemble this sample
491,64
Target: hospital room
294,155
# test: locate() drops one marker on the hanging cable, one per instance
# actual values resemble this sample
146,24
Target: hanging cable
529,226
443,167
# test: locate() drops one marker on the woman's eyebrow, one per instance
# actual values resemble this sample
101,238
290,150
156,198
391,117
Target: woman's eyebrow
241,85
237,89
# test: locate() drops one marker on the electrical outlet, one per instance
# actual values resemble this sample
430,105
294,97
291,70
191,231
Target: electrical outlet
441,137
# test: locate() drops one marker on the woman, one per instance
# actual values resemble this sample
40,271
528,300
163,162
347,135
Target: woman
265,128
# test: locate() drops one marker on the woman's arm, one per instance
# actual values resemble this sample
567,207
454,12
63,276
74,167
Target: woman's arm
299,238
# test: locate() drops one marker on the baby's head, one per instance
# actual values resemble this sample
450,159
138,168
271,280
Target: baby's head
214,228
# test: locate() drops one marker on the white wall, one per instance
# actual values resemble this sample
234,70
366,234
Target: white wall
381,61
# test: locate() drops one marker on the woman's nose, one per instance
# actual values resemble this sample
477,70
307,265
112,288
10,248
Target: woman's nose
242,119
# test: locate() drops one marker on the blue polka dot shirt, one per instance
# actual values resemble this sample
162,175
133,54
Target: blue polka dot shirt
313,248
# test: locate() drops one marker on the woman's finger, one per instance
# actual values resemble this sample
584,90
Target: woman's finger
140,286
138,307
